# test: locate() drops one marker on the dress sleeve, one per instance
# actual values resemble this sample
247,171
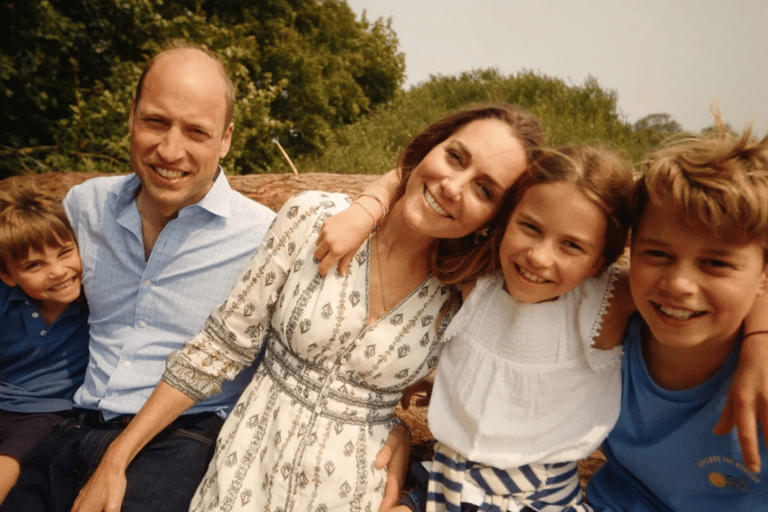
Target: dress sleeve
234,332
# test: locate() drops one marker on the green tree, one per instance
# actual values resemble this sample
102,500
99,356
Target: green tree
302,69
570,113
654,128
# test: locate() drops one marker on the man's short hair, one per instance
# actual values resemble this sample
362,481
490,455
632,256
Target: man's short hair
29,219
182,45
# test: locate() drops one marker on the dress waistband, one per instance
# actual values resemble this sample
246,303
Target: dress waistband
331,392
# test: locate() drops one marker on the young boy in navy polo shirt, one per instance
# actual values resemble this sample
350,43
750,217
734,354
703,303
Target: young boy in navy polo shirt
44,319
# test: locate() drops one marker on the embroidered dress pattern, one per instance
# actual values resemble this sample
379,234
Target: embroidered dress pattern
305,432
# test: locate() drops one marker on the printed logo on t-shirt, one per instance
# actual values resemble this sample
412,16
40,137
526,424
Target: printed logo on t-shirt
727,473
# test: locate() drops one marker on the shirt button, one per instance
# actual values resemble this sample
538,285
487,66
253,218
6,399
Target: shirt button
35,314
147,282
43,333
114,394
142,324
127,364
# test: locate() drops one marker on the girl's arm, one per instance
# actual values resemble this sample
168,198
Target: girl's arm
344,233
617,316
747,403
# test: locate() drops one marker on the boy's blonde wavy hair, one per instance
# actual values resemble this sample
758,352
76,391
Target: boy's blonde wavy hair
716,180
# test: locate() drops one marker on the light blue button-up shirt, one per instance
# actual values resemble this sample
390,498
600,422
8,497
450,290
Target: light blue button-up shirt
142,310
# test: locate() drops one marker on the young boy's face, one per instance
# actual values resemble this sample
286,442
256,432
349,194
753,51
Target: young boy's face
691,288
50,276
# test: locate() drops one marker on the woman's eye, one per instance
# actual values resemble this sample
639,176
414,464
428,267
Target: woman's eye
454,155
486,192
527,226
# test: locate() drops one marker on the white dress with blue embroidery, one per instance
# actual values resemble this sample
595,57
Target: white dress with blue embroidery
305,432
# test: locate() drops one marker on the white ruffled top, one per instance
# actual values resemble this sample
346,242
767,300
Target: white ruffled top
521,383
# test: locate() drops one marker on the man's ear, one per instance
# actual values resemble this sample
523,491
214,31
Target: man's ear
7,279
226,140
130,115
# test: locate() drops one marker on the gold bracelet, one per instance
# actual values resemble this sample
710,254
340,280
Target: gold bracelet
384,207
366,211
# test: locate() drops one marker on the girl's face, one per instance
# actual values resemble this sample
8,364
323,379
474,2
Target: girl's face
458,187
554,239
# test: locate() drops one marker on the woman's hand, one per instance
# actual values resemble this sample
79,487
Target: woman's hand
394,455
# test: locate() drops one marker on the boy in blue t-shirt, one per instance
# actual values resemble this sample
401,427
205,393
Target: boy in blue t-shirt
697,266
44,319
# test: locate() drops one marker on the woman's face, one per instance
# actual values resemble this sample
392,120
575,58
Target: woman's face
458,187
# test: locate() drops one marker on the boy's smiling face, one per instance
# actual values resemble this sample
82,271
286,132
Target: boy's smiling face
692,288
51,277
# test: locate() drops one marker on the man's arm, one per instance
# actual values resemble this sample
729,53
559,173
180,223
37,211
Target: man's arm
106,488
344,233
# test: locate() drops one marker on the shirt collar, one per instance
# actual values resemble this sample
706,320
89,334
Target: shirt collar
16,294
215,201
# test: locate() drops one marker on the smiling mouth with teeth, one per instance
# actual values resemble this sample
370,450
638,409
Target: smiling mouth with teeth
63,285
678,314
433,204
530,277
165,173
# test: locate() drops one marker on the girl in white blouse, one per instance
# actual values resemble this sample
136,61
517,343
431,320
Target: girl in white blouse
524,388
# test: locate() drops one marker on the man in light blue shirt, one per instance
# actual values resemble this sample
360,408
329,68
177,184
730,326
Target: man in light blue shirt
161,248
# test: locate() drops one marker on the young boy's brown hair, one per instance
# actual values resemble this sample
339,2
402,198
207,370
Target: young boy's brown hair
29,219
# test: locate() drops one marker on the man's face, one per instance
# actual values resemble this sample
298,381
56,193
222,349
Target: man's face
178,132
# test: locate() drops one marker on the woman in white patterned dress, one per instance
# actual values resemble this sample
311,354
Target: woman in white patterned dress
340,350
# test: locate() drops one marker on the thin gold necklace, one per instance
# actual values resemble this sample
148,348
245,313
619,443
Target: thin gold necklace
381,278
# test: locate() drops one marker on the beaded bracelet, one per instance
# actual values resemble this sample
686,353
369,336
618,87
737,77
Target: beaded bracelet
400,421
366,211
384,207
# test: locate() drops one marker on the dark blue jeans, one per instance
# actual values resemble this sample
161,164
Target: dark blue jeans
162,478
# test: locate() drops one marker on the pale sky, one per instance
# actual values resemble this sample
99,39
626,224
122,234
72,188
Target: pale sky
660,56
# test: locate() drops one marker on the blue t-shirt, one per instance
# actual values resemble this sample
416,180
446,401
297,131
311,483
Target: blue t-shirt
662,454
41,366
